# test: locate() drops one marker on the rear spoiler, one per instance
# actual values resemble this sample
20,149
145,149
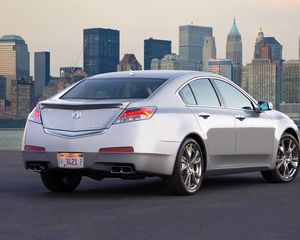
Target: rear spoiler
82,106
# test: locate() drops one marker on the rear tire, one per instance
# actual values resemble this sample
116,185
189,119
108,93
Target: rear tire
188,170
287,160
59,182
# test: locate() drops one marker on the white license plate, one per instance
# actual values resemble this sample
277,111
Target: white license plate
70,160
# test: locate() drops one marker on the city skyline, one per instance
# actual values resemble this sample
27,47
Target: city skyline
60,32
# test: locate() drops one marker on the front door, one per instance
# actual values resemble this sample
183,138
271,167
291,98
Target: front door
254,131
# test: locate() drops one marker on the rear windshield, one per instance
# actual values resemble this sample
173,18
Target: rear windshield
124,88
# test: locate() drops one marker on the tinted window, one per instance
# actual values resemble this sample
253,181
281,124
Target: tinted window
187,95
204,93
124,88
233,97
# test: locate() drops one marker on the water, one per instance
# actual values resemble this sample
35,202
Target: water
11,139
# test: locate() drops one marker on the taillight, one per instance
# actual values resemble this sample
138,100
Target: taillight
35,115
34,148
135,114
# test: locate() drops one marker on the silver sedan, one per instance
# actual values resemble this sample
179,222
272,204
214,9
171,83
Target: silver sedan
179,125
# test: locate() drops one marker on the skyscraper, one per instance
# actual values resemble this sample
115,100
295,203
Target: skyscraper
2,88
220,66
290,82
174,62
101,50
234,52
262,78
129,62
267,48
14,60
191,40
234,46
209,51
155,48
41,72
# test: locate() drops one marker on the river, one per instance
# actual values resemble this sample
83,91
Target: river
11,139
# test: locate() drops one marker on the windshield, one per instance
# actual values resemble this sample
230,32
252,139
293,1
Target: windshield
122,88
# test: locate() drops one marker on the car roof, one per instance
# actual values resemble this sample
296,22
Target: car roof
162,74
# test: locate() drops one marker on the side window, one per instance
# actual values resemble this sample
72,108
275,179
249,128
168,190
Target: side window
187,95
204,93
233,98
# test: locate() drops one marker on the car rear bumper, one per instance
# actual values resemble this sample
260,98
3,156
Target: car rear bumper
141,163
150,156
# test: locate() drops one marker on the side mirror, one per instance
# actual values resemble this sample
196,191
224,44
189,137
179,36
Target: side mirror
265,106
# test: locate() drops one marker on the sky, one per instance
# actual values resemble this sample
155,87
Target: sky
57,25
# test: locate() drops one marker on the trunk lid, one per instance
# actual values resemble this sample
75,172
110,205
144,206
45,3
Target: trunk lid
80,115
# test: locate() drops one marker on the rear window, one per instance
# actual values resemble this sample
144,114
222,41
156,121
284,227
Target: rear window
124,88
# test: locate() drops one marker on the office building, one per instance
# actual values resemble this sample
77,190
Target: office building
174,62
101,50
25,100
129,62
234,52
220,66
290,82
234,46
67,72
155,48
262,77
14,60
259,80
209,51
191,41
41,72
2,88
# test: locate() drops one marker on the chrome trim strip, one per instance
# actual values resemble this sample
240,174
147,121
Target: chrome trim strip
72,134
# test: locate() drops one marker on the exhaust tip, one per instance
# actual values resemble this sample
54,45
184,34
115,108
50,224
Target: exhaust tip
122,170
116,170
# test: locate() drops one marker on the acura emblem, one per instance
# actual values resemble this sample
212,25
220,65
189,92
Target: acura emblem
76,114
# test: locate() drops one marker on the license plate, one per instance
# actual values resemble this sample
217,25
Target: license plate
70,160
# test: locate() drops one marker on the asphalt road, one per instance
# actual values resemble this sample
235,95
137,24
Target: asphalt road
227,207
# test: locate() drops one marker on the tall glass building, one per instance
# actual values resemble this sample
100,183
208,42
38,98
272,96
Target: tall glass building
234,52
191,41
41,72
155,48
220,66
234,46
14,60
101,50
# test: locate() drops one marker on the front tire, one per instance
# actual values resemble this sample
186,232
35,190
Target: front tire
59,182
188,170
287,160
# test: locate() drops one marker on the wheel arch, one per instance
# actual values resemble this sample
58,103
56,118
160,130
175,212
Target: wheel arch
200,141
292,132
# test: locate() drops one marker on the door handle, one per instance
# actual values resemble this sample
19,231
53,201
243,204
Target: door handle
204,115
240,117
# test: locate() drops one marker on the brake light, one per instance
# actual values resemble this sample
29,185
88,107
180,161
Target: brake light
116,150
34,148
135,114
35,115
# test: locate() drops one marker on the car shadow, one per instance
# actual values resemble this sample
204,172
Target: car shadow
153,187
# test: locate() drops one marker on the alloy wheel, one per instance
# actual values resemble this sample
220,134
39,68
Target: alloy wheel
191,166
287,158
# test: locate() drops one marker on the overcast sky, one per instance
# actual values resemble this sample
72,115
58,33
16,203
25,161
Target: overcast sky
57,25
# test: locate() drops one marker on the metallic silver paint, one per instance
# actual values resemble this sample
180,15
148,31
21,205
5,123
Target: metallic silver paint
236,140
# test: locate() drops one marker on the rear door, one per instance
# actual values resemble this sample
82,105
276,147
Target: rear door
217,126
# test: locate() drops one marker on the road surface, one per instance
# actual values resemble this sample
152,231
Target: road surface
227,207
